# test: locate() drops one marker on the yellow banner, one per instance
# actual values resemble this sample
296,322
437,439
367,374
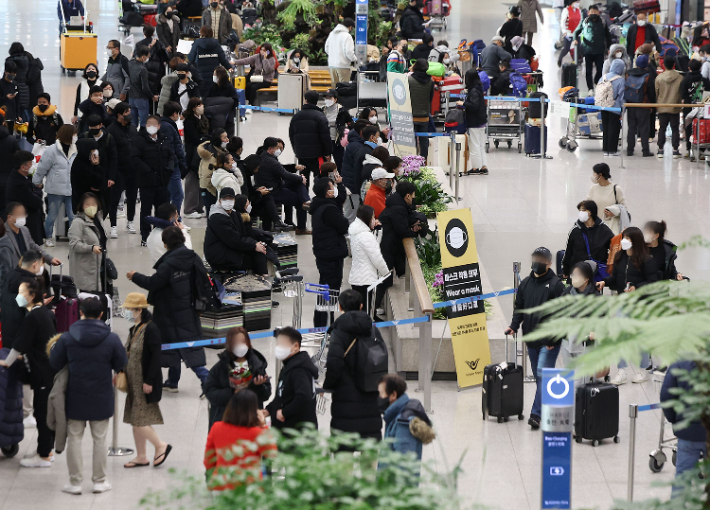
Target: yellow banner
462,278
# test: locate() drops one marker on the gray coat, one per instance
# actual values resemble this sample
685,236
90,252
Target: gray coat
528,8
56,409
166,84
222,32
84,265
117,74
56,167
10,253
491,57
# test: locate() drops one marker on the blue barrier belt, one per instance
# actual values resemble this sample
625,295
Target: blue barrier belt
264,109
444,304
593,107
431,135
649,407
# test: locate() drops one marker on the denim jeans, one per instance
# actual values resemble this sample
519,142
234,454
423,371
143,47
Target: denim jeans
55,203
645,362
689,454
176,193
142,108
174,374
541,358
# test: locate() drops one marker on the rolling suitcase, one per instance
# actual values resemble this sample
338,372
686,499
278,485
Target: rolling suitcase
596,412
67,313
533,139
569,75
502,394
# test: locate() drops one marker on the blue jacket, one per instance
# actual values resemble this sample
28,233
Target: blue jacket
695,431
92,353
617,68
74,8
170,130
355,145
397,418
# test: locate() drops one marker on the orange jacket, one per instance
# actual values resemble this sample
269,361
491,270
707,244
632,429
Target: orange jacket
375,198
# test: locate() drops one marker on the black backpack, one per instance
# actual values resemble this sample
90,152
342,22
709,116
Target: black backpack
203,289
371,361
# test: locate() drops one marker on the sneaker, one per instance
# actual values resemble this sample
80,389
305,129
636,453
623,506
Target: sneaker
49,243
120,213
686,155
102,487
640,377
170,389
534,422
35,462
660,154
647,155
606,154
677,155
615,154
131,229
619,378
144,244
72,489
114,233
194,216
380,312
29,422
480,171
186,228
590,93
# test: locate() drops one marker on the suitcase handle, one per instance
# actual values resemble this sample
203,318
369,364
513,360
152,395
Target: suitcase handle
515,359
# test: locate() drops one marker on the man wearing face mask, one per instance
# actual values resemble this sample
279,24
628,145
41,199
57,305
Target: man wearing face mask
640,33
19,188
569,21
589,238
537,289
310,135
117,69
294,403
338,119
380,189
183,89
141,93
9,95
45,122
93,106
218,18
595,39
123,132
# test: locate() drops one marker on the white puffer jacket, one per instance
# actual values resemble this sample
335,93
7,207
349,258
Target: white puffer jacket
222,178
368,264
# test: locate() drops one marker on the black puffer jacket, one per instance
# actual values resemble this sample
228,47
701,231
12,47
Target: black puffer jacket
272,174
599,236
8,147
474,103
155,65
626,272
11,429
395,227
123,136
20,189
167,36
355,145
329,229
85,176
309,133
295,393
170,293
352,410
153,159
218,390
226,239
206,54
108,153
22,62
535,291
412,23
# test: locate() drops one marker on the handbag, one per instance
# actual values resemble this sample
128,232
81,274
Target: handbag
122,382
601,271
111,271
259,78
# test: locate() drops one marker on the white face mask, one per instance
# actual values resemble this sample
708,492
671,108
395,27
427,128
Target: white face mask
253,180
108,93
626,244
281,352
335,192
215,79
227,205
20,222
617,54
74,139
240,350
583,216
373,120
447,61
641,22
234,167
648,238
296,60
224,145
248,208
277,153
329,103
575,5
40,271
594,178
109,53
152,130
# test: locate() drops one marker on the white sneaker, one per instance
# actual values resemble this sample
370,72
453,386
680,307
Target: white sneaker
49,243
121,213
114,233
640,377
619,378
131,229
102,487
35,462
380,312
72,489
194,216
186,228
29,422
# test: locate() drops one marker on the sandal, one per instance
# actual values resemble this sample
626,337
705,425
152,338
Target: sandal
133,464
164,456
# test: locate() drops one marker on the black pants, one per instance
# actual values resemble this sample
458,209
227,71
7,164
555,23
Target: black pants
251,88
688,128
294,195
45,435
256,262
115,192
151,198
266,210
331,274
663,120
338,153
379,294
208,200
638,119
611,128
311,165
422,141
591,60
131,180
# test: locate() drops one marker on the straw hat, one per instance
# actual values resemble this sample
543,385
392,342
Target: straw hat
135,300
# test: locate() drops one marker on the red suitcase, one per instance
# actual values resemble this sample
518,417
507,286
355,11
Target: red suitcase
149,19
702,134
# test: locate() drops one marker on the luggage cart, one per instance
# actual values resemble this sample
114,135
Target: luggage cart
326,301
438,11
657,458
505,123
581,123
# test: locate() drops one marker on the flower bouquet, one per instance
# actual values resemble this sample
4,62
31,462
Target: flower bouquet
240,377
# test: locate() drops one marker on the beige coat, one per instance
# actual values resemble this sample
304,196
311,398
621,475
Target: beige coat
56,409
84,265
668,90
207,163
528,8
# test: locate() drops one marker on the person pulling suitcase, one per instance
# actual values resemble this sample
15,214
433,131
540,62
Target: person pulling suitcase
537,289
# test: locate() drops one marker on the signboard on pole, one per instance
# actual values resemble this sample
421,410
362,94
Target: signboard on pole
462,278
400,104
361,9
557,423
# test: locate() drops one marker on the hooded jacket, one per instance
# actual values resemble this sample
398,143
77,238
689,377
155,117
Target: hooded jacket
222,178
340,48
11,314
691,81
668,271
92,354
407,424
595,36
355,145
421,92
412,23
123,136
108,153
599,236
166,91
352,410
309,133
368,165
153,159
649,95
572,343
10,257
118,74
55,166
695,431
535,291
329,229
218,390
474,103
668,90
615,48
272,174
206,54
22,61
226,239
169,128
368,264
618,85
395,227
44,125
295,393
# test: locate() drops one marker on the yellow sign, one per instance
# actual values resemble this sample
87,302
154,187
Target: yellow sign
400,105
462,278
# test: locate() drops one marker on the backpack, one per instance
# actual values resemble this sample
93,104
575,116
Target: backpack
455,121
55,115
604,95
635,88
696,94
203,288
476,49
436,69
485,80
518,85
371,361
520,65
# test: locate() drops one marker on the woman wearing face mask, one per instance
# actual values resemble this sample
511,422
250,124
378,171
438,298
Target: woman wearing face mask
168,29
662,250
222,87
368,264
90,78
297,63
87,175
634,267
588,230
107,89
197,128
617,51
370,115
87,243
208,152
338,122
226,173
222,382
582,278
145,382
609,198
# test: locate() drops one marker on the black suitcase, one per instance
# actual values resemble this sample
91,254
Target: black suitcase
533,139
502,394
569,74
596,412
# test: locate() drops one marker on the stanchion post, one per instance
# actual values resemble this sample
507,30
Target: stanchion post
633,414
623,126
458,169
115,450
452,154
425,361
543,130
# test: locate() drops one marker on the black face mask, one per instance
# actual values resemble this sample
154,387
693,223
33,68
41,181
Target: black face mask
214,5
182,76
43,107
388,188
593,17
91,75
94,132
383,403
539,268
10,76
128,118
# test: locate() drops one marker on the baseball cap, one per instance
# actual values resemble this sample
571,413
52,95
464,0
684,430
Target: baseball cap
112,103
381,173
497,38
331,93
227,192
543,252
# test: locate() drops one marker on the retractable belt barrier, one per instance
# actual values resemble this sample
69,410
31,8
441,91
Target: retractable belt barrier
431,135
385,324
634,410
266,109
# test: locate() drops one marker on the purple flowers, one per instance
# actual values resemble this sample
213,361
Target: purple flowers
438,279
411,165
